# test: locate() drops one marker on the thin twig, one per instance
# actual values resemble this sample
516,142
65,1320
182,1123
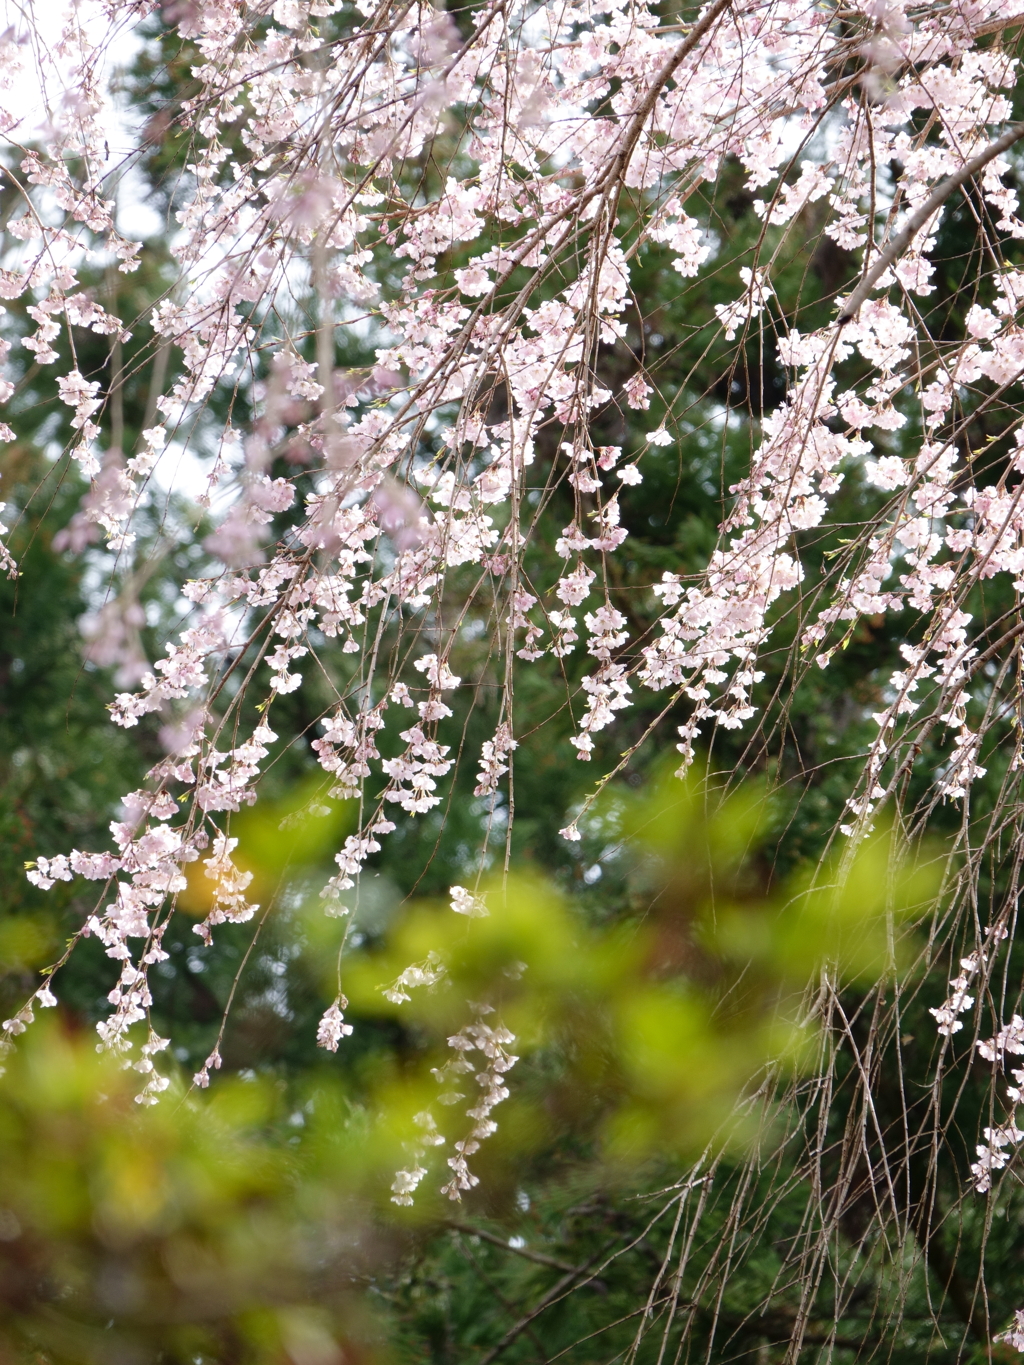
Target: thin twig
505,1245
920,216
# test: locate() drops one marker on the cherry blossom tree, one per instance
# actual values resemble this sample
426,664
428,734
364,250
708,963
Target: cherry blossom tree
468,198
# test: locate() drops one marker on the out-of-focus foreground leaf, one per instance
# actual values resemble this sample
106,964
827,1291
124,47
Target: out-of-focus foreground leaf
247,1224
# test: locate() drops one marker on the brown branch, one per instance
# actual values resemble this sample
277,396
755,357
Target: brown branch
554,1293
920,216
505,1245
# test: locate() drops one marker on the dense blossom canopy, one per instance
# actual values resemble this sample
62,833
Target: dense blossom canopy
563,142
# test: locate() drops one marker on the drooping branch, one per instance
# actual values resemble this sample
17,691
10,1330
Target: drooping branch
898,245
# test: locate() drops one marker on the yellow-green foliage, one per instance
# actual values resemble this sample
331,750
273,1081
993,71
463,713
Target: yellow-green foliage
233,1226
661,1021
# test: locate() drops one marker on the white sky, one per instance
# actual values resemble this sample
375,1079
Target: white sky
37,91
40,87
